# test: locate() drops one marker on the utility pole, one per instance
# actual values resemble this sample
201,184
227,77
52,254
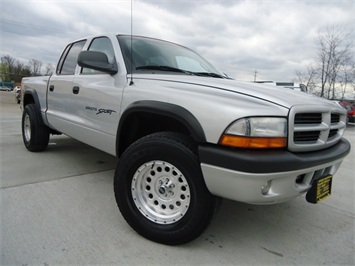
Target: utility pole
255,72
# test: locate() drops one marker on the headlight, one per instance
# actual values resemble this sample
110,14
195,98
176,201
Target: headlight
257,133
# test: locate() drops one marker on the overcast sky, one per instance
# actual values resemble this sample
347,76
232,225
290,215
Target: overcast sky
273,37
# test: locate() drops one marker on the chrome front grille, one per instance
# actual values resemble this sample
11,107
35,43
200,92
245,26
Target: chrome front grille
315,128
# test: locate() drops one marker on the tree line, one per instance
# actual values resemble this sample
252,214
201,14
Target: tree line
12,69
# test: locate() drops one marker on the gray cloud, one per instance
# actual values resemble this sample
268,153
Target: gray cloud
273,37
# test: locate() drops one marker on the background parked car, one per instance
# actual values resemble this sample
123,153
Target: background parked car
4,88
351,111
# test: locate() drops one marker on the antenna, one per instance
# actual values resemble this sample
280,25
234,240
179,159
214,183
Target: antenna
131,82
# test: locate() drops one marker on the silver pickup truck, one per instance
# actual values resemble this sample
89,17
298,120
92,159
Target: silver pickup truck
186,135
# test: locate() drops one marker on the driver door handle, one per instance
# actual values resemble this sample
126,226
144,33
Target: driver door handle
76,89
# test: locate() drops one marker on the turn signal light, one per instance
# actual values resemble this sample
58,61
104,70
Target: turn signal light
253,142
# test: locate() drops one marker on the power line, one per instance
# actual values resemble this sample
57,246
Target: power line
30,26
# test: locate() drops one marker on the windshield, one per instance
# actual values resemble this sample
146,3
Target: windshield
152,54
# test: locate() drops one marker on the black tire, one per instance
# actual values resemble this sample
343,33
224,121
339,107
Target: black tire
35,133
160,190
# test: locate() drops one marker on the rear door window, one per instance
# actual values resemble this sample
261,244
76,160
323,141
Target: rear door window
71,58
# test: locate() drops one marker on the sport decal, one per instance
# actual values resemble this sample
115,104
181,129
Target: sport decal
100,111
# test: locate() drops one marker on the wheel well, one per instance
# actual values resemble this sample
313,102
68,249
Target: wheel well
28,99
139,124
142,118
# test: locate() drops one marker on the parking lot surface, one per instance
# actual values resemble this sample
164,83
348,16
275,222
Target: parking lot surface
58,207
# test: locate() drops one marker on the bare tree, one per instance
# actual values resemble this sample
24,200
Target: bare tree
332,70
347,79
333,53
20,70
9,61
307,78
25,72
36,66
49,69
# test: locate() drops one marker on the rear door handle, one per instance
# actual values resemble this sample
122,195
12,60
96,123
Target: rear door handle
51,88
76,89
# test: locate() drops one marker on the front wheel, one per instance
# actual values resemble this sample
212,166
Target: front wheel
35,133
160,190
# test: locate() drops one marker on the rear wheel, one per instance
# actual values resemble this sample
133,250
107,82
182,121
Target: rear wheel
160,190
35,133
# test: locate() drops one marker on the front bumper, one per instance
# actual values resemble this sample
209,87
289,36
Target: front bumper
266,177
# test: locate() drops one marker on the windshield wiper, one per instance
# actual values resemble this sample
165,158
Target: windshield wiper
209,74
174,69
164,68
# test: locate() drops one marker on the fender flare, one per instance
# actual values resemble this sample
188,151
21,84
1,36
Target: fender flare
33,94
173,111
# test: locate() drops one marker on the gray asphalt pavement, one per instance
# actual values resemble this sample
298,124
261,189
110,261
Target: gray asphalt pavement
58,207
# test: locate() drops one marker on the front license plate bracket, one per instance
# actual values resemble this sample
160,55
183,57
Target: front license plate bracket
320,190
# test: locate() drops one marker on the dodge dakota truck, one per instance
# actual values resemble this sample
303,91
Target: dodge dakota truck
185,134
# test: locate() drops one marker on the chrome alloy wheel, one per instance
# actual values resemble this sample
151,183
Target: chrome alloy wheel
160,192
27,128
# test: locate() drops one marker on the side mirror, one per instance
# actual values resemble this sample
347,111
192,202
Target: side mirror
96,60
304,88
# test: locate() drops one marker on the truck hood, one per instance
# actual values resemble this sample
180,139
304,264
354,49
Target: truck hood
278,95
